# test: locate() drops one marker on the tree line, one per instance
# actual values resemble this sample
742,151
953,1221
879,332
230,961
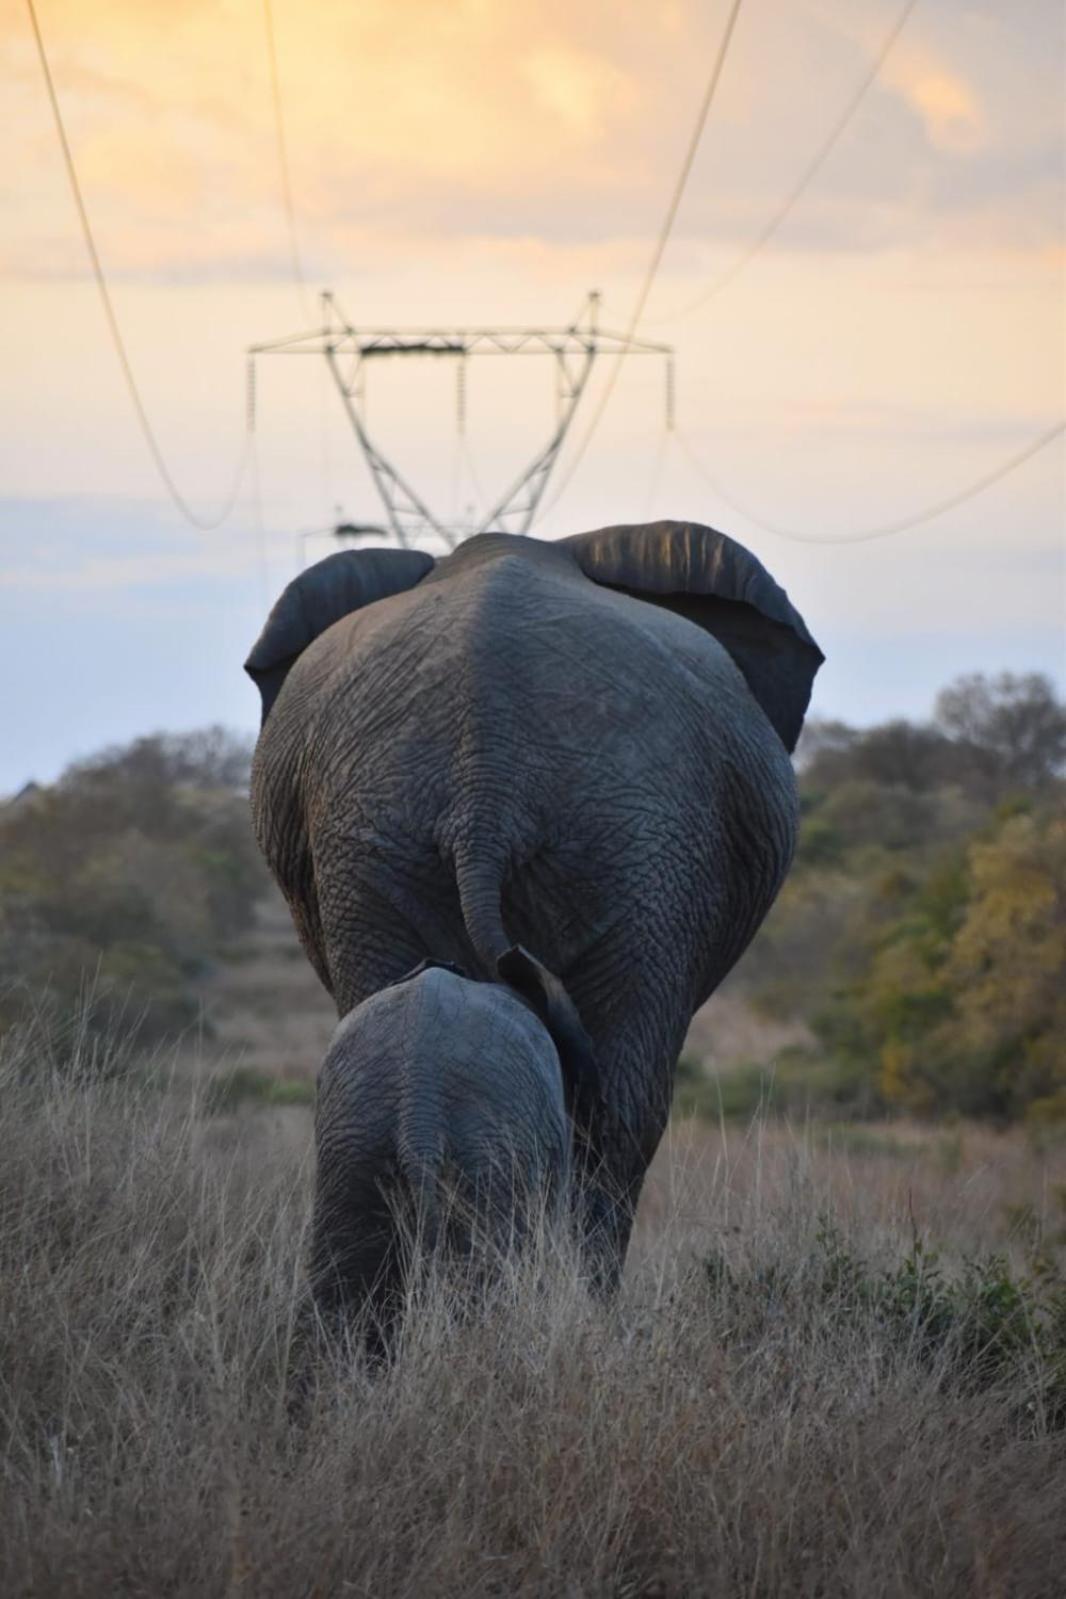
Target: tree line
123,881
922,934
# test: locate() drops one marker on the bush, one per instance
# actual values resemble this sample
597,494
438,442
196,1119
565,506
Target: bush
922,933
133,873
245,1085
960,1004
973,1331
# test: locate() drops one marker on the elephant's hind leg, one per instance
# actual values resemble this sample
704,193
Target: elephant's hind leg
356,1267
611,1162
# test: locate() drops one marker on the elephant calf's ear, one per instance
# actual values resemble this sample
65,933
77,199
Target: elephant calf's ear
551,1002
330,589
718,584
428,966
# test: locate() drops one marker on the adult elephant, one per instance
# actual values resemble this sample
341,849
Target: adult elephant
572,757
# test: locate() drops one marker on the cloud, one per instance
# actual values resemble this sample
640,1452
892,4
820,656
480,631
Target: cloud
106,546
579,90
430,120
949,107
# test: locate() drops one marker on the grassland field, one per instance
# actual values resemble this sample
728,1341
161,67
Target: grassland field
837,1365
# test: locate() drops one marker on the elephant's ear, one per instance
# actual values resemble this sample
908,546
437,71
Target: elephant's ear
548,997
319,597
719,585
428,966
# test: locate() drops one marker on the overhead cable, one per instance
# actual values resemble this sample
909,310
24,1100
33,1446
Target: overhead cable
296,258
808,174
259,525
656,475
887,529
205,524
657,254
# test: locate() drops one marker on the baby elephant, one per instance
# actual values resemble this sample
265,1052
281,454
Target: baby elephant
440,1118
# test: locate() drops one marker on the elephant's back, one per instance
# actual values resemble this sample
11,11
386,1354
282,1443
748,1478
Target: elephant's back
511,666
596,720
607,753
443,1071
483,1056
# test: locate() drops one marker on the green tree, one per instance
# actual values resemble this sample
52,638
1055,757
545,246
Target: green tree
1007,967
959,1004
129,876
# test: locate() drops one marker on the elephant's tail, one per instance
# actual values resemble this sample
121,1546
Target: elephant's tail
423,1172
479,877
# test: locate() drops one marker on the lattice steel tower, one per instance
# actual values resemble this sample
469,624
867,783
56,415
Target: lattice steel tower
348,350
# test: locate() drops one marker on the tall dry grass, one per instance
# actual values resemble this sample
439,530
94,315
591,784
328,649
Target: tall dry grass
748,1418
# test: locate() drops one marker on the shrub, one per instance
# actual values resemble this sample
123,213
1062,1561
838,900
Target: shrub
245,1085
134,872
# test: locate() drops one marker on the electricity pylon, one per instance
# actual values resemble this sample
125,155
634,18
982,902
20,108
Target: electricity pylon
348,350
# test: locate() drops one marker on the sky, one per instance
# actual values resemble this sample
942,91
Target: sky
486,162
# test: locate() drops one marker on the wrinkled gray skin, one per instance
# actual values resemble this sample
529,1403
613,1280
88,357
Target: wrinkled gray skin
439,1116
581,748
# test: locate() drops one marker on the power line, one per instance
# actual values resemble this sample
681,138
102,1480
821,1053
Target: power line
887,529
656,475
283,157
258,523
660,247
205,524
808,174
259,526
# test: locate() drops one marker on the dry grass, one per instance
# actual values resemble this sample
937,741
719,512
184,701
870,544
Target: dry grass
745,1420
